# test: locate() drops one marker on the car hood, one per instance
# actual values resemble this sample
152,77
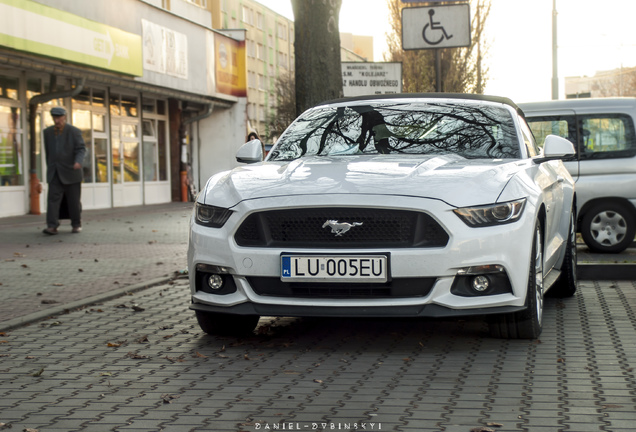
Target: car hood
452,179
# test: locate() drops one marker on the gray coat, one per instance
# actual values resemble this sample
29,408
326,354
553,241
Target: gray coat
62,152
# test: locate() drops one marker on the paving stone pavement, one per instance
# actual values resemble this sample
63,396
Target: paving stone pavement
119,249
140,363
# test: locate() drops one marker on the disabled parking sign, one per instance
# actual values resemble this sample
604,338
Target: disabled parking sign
445,26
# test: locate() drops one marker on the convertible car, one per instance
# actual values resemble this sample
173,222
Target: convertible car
413,205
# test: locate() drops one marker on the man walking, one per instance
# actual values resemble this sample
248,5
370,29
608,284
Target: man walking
65,150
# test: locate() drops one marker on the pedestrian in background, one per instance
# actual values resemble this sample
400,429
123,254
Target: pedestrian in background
64,150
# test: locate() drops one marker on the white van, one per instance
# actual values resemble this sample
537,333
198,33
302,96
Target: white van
603,133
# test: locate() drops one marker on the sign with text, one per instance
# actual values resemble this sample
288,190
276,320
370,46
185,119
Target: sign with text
39,29
446,26
363,79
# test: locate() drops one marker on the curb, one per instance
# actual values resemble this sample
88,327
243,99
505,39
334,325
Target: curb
606,271
65,308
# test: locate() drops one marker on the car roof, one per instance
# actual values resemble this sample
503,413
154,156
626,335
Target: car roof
460,96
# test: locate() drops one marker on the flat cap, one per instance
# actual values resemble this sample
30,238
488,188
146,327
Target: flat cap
58,111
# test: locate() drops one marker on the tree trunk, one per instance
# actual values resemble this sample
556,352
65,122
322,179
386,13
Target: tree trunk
317,51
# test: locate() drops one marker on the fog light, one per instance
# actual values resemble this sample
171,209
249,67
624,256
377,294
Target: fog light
481,283
215,282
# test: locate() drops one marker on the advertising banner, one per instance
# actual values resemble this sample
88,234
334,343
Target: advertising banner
230,66
35,28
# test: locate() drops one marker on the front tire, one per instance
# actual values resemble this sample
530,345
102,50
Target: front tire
226,324
608,228
528,323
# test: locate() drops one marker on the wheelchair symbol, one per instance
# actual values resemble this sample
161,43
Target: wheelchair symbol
434,26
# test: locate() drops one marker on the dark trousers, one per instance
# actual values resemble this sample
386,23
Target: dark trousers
58,191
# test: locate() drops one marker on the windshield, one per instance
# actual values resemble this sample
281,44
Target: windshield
469,130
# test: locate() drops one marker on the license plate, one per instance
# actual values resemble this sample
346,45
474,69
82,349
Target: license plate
334,268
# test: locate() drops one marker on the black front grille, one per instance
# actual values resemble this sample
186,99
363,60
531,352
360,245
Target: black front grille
396,288
309,227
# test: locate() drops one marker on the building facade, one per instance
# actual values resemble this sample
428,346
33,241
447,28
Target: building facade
151,91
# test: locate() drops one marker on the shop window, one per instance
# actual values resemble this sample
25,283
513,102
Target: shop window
101,160
151,168
34,87
11,157
99,122
129,106
82,120
9,87
113,103
131,161
99,98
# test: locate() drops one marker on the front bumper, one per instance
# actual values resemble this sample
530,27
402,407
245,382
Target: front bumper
507,246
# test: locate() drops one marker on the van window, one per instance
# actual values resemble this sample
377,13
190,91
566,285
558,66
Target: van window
563,126
598,136
610,136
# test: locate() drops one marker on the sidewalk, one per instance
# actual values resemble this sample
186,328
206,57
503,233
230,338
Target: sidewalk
119,250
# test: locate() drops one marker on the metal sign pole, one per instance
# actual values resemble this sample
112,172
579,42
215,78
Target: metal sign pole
438,70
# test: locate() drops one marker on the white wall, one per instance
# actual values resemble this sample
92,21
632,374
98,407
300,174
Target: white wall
221,136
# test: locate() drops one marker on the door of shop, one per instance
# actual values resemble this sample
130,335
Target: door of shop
125,162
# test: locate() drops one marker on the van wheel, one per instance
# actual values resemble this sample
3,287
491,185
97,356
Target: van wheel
608,228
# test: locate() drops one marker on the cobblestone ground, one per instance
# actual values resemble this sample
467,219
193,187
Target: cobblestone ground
140,363
118,248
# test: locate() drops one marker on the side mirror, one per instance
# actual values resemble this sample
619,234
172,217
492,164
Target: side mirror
250,152
556,147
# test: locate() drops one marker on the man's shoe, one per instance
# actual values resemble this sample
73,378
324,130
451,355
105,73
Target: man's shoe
76,230
50,231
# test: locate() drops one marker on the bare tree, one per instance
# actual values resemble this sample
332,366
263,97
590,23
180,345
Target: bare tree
317,51
463,70
285,110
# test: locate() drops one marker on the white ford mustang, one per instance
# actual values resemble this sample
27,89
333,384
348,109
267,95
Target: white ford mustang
430,205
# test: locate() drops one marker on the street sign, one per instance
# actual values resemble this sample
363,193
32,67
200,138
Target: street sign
362,78
445,26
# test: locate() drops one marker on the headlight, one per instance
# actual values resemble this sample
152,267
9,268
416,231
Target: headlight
489,215
211,216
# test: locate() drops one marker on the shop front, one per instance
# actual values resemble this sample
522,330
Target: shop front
138,93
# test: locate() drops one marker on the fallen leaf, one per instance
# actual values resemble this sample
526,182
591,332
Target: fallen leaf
482,429
138,308
143,339
116,344
38,373
318,381
494,424
167,398
198,354
105,374
3,341
246,357
136,356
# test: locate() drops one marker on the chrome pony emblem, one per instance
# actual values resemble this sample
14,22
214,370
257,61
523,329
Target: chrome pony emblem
339,228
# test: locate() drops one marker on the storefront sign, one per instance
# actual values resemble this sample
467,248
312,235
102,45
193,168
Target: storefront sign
165,50
361,79
230,66
35,28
